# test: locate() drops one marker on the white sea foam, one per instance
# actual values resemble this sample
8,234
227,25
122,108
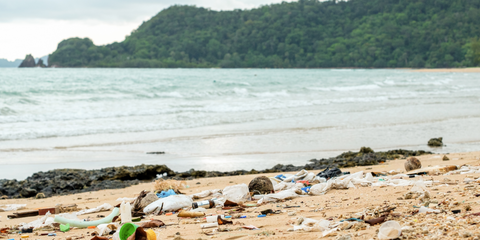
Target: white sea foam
70,102
346,88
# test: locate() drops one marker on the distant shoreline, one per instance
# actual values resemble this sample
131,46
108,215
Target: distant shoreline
449,70
444,70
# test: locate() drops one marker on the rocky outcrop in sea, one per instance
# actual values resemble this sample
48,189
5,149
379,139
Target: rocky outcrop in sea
29,61
67,181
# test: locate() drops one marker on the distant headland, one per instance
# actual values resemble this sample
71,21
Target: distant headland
300,34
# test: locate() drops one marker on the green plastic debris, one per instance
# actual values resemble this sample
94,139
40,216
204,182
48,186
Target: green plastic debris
65,228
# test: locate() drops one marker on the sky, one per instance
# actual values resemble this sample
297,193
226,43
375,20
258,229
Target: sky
36,27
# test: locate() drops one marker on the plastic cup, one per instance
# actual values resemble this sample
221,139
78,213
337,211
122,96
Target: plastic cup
127,230
390,230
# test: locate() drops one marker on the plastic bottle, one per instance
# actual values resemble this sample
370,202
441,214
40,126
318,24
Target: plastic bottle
204,204
126,212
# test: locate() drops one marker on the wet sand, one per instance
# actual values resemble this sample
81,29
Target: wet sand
336,205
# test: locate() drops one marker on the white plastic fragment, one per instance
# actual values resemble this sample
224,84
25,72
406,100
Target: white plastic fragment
12,207
39,223
103,207
125,199
126,212
205,193
170,203
237,193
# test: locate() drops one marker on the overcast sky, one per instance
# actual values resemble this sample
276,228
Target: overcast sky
36,27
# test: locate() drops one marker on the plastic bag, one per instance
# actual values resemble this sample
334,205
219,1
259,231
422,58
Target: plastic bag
300,175
171,203
126,199
427,210
12,207
283,186
310,177
237,193
330,173
167,193
205,193
283,195
312,225
39,223
103,207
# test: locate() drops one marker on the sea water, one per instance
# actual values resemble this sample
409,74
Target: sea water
225,119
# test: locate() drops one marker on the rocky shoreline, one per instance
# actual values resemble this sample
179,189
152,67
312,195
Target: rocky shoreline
68,181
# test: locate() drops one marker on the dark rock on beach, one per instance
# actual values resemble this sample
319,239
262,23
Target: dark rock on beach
435,142
261,185
67,181
412,164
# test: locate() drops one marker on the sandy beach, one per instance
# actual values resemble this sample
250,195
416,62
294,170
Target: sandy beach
335,205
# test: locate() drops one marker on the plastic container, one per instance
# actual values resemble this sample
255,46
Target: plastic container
212,219
126,212
390,230
127,230
208,225
204,204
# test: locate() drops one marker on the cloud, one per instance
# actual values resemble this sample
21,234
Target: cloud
108,10
36,27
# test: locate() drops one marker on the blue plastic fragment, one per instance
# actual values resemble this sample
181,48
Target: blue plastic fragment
228,216
165,194
243,217
306,189
261,215
352,219
52,234
281,177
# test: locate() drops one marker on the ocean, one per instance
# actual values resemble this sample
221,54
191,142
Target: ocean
226,119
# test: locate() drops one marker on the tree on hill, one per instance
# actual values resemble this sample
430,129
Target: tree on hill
303,34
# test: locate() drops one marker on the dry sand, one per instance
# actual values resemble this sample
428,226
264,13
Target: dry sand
336,204
449,70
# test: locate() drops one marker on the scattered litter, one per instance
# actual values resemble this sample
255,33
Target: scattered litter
12,207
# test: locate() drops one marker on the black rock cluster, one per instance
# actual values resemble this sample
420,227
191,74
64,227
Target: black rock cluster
67,181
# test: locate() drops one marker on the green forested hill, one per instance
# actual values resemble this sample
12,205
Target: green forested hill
303,34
